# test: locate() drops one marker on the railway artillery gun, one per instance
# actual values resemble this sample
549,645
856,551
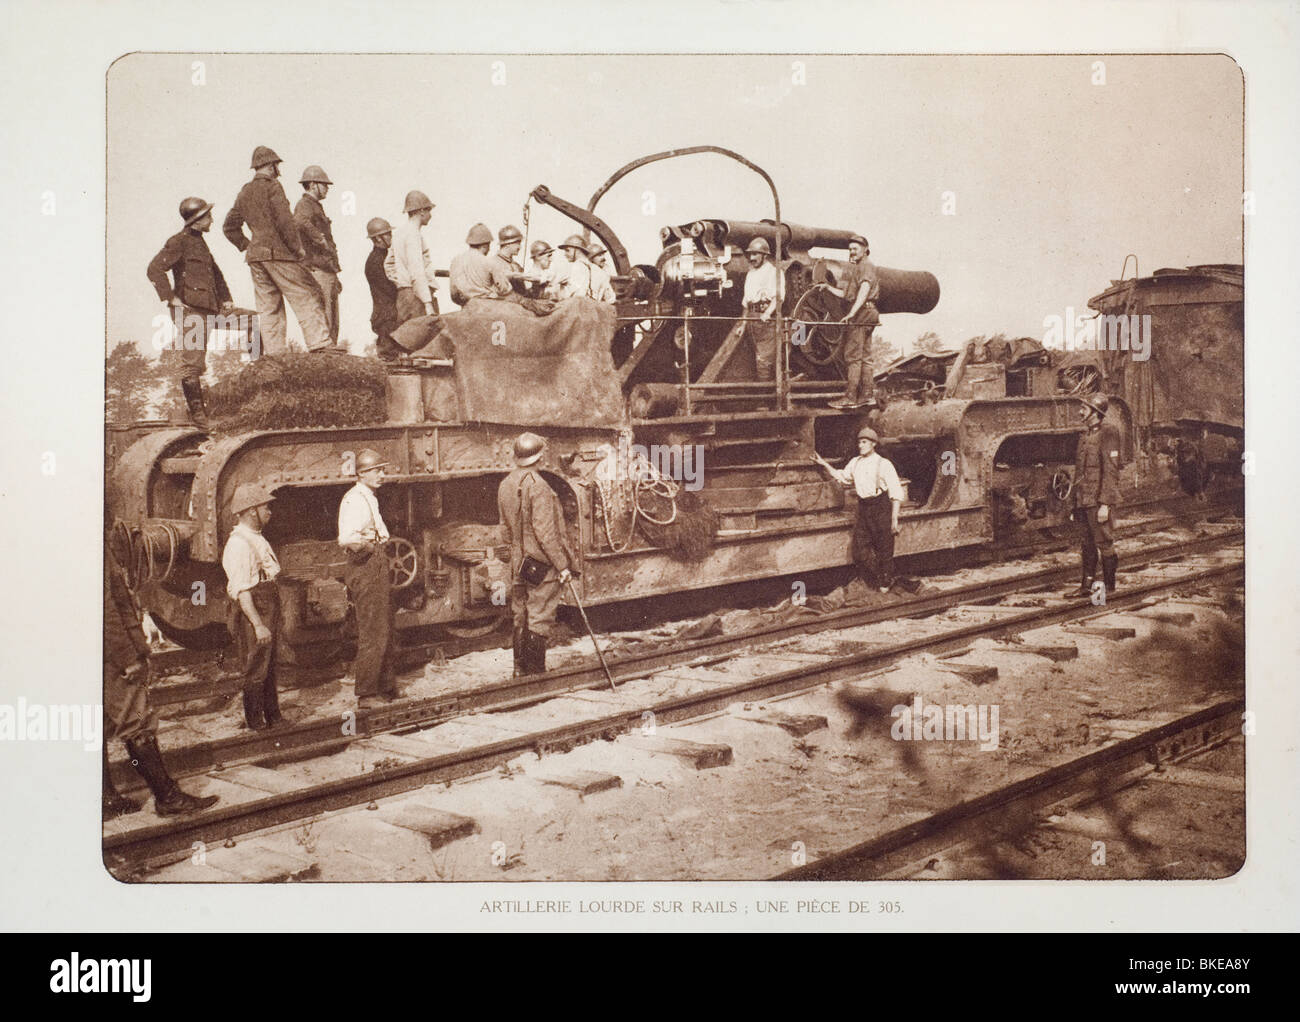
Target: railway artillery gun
654,423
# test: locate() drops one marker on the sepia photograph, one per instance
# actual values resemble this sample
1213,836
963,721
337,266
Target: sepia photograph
712,467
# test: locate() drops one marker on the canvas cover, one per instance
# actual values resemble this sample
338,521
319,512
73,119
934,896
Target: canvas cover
519,369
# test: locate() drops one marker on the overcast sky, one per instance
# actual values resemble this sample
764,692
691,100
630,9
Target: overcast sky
1054,177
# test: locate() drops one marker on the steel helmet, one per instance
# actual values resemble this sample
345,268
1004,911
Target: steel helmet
1097,402
597,249
575,241
316,175
250,495
479,234
263,155
759,245
539,248
528,449
369,459
193,208
416,201
509,233
378,226
869,433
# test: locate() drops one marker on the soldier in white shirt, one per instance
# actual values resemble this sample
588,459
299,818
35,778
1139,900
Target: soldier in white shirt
407,263
761,298
572,274
253,612
880,496
362,534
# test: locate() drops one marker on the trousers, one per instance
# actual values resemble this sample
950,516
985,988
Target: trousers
762,335
534,607
1095,538
370,586
410,307
873,541
328,282
126,705
276,280
189,349
258,663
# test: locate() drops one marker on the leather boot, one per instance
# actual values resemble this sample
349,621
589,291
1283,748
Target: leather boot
193,391
271,701
1084,590
536,653
168,798
254,709
1109,565
522,651
115,803
850,398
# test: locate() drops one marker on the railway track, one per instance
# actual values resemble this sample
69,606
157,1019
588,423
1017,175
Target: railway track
1007,816
275,787
324,735
1168,513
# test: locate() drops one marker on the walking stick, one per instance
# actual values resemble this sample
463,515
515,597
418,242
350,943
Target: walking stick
573,589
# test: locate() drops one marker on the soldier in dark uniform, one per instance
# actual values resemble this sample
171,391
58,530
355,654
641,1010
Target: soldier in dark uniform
197,290
318,242
126,704
541,561
383,292
1096,494
275,257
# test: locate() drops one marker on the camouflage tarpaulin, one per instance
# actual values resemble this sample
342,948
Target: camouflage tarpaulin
518,369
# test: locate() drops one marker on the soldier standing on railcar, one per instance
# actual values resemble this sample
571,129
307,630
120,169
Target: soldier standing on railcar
1096,493
197,290
861,286
880,497
761,297
253,609
318,241
383,292
362,533
541,561
126,703
275,258
408,265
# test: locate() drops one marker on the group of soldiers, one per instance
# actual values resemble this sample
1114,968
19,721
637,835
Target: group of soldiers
292,257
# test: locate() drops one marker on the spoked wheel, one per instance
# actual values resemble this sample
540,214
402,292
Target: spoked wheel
1062,484
403,564
815,321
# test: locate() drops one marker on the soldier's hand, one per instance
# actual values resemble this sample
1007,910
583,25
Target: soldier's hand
227,307
136,671
895,528
175,302
1103,514
262,633
565,577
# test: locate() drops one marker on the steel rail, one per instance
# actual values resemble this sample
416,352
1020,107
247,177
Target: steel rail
516,692
225,822
1013,806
